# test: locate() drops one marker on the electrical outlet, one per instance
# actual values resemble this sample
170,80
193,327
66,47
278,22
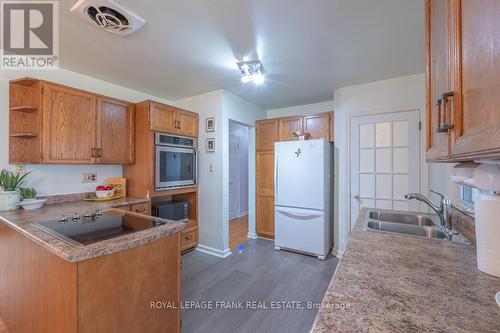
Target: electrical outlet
89,177
21,168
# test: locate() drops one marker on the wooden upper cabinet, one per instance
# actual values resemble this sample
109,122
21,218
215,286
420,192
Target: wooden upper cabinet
115,131
266,134
289,125
168,119
477,126
51,123
69,121
162,118
187,123
318,126
463,76
440,68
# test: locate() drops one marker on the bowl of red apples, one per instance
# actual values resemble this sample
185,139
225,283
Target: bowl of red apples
104,191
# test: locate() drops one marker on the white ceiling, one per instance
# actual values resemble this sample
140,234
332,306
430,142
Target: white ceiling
308,47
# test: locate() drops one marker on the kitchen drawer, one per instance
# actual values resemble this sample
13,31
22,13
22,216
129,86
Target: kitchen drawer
189,238
142,208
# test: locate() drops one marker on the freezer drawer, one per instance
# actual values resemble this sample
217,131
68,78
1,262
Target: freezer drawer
302,230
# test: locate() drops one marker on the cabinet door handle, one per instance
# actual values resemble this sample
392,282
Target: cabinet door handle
443,122
188,237
140,210
99,152
93,152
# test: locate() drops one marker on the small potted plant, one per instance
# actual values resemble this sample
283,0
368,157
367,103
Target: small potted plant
29,200
300,135
10,183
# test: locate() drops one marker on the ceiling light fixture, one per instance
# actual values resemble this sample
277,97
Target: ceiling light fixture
251,70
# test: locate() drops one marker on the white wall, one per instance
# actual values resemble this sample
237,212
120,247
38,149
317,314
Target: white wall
210,216
214,186
61,179
244,112
398,94
241,132
300,110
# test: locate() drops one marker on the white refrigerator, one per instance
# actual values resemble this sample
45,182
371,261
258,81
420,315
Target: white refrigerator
303,184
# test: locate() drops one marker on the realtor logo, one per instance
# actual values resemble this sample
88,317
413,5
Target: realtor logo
29,35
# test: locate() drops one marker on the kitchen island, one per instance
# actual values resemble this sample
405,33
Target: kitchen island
394,283
48,285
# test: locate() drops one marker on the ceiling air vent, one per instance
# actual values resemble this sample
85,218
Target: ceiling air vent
108,15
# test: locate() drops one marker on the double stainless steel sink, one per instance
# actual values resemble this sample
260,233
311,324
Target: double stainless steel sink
406,223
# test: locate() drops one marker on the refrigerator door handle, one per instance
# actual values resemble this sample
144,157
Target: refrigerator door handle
299,216
276,192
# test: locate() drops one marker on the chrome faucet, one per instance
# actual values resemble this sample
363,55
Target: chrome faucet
443,211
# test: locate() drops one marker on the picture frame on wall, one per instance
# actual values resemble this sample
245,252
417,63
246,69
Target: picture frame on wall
210,145
210,124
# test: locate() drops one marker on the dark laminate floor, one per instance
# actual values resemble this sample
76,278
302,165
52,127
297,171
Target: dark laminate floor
254,272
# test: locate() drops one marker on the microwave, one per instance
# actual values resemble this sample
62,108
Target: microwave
174,211
176,161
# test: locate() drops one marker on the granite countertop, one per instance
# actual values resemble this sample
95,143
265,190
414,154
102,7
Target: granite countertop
394,283
21,220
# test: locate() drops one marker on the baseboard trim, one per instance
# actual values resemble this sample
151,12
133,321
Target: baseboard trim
214,252
265,238
252,235
240,215
337,253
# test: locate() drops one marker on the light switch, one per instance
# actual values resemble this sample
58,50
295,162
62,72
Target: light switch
211,167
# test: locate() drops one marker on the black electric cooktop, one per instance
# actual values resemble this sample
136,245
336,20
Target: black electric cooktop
91,228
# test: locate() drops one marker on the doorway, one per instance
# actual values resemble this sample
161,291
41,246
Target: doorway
238,183
385,161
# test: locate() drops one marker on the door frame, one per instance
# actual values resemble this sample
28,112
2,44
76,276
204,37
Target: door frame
238,180
423,167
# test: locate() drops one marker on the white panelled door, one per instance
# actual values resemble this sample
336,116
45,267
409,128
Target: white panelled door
385,161
234,177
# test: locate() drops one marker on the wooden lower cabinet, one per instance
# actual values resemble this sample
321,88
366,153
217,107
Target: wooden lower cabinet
142,208
189,238
264,162
110,293
264,223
